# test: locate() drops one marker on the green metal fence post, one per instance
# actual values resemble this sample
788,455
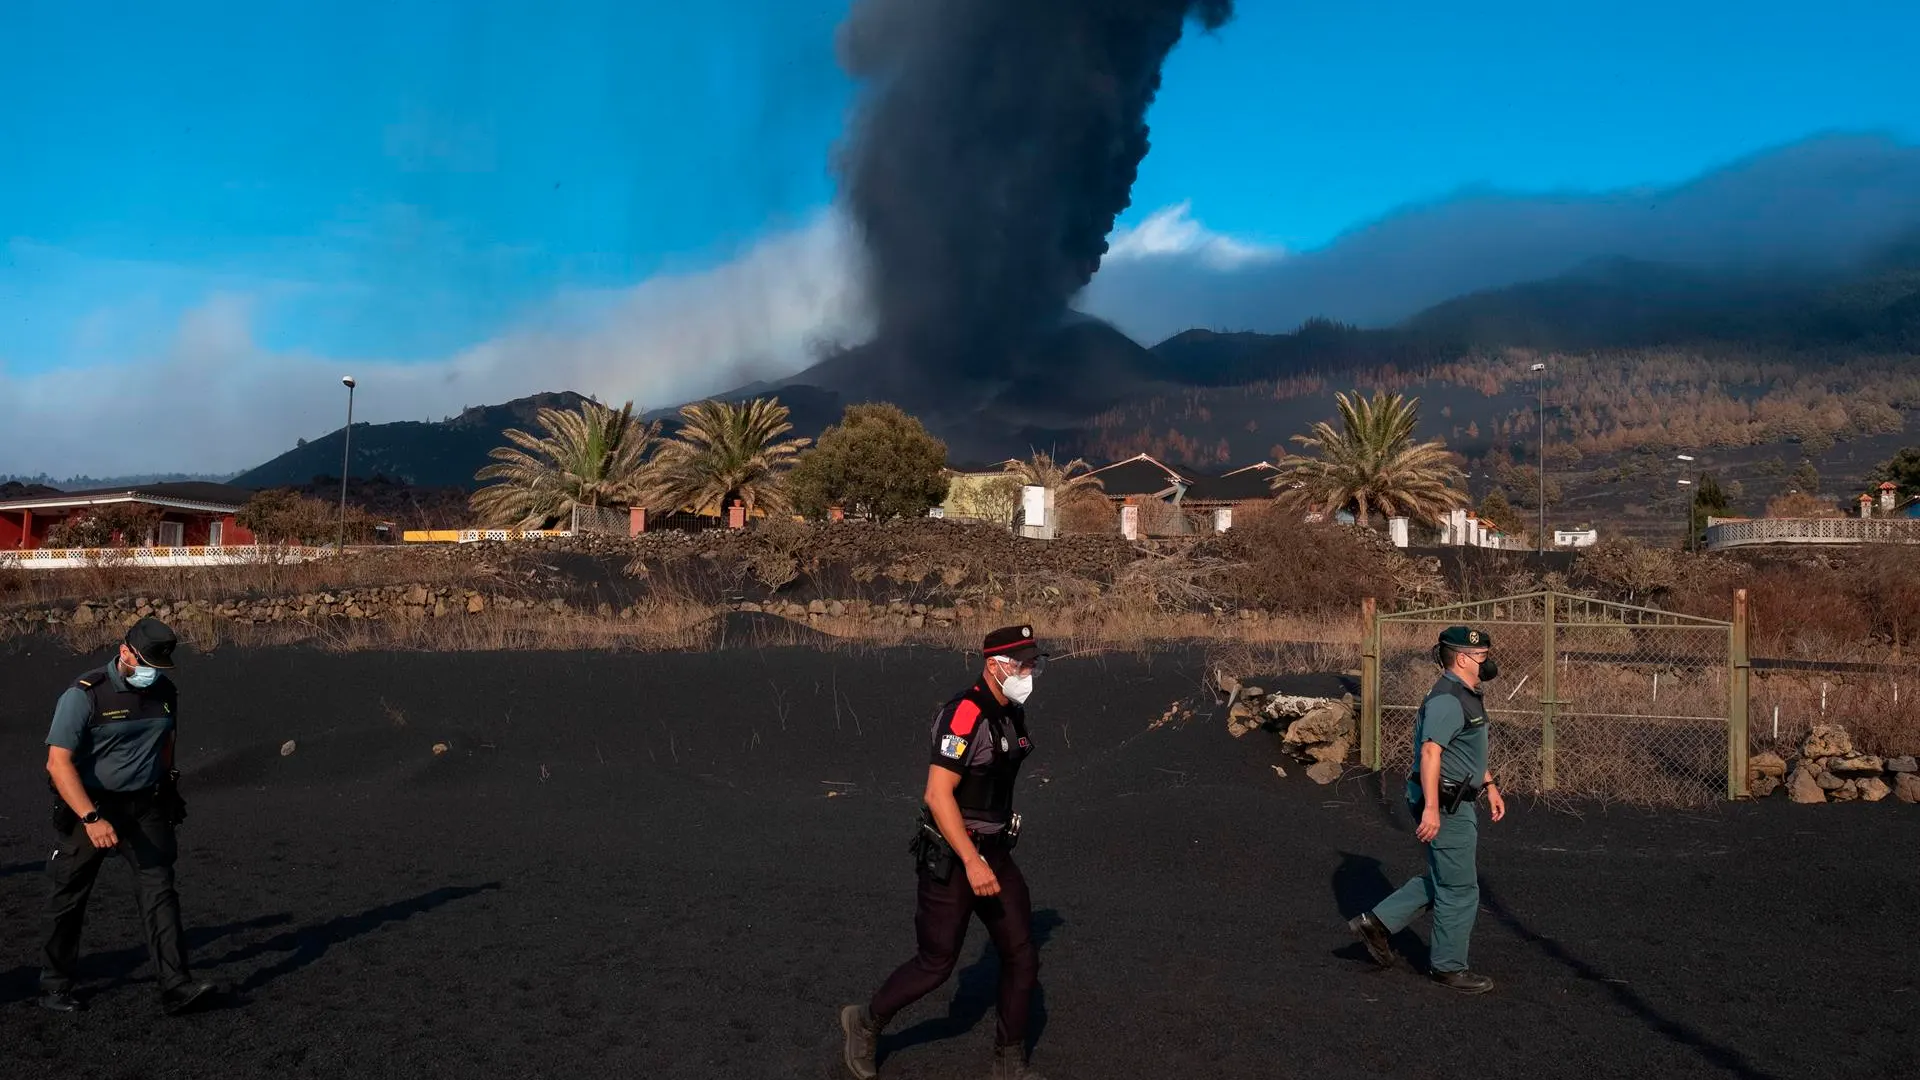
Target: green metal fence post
1739,665
1370,683
1548,696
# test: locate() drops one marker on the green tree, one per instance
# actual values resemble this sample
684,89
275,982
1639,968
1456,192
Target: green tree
1372,463
724,452
1805,478
1708,501
876,461
592,456
1903,469
126,524
1499,513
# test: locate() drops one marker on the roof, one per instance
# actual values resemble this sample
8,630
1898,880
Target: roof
1138,475
1247,484
186,495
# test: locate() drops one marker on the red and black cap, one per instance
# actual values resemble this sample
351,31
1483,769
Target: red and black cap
153,641
1012,642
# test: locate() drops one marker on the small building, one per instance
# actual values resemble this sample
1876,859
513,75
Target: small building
191,514
1575,538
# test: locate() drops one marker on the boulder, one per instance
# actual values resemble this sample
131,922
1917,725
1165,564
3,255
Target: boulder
816,607
1872,789
1335,751
1906,787
1848,791
1325,772
1802,788
1322,725
1826,780
417,595
1856,765
1762,786
1827,740
1905,764
1765,773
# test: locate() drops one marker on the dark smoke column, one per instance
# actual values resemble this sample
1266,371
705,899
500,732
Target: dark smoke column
994,145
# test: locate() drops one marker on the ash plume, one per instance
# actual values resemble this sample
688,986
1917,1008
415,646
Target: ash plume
994,144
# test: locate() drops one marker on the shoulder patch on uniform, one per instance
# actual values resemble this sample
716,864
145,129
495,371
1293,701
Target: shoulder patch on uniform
952,746
965,716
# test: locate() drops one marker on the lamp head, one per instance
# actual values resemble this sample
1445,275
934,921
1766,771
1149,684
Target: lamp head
347,381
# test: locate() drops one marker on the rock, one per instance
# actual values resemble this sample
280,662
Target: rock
816,607
1766,764
417,595
942,614
1762,786
1828,781
440,748
1326,724
1906,787
1857,765
1802,788
355,611
1905,764
836,609
1872,789
476,604
1847,792
1325,772
1827,740
439,609
1335,751
287,748
83,616
750,606
915,622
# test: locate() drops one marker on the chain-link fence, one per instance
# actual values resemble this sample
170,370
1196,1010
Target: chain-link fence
1594,699
611,520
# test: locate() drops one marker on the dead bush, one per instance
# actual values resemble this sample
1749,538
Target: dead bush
1281,564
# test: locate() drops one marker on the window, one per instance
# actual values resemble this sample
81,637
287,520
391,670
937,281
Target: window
172,534
216,534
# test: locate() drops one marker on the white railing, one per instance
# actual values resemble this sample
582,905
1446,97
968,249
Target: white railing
230,555
1727,534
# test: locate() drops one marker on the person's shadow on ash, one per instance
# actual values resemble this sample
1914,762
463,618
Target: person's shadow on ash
1359,882
977,993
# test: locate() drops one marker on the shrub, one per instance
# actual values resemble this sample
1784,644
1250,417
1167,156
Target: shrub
112,525
1278,562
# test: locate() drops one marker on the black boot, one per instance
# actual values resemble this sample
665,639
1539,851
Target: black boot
1373,934
1010,1063
863,1042
1467,982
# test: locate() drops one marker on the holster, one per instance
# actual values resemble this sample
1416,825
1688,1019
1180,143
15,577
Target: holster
64,819
1452,794
932,855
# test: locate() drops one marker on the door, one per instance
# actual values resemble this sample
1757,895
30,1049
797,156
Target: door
172,534
217,534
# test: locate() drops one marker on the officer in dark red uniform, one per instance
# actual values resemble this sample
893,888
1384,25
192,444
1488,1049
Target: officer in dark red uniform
964,854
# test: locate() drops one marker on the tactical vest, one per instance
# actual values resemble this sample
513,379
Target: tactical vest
985,792
1472,707
124,721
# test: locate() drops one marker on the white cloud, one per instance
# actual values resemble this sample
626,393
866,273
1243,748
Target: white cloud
1172,232
213,399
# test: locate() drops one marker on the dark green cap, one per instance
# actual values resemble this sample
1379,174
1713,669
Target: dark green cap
1466,637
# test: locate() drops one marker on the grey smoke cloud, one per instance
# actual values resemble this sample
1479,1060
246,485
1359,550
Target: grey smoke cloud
1820,204
993,146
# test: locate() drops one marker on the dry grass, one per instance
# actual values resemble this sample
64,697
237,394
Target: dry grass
398,566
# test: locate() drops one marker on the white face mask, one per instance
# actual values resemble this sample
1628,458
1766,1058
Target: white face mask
1017,688
142,677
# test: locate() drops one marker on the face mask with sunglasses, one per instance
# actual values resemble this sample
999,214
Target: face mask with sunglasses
1019,684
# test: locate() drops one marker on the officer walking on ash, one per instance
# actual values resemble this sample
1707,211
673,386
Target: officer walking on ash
110,764
1450,745
964,857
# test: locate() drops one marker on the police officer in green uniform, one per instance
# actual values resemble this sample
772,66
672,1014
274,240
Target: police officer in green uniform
1450,741
110,764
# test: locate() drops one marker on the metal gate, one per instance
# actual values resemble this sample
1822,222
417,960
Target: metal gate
1595,699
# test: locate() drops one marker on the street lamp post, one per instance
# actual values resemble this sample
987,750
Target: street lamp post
346,460
1686,504
1541,543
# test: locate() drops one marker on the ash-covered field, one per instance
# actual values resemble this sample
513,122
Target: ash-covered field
679,865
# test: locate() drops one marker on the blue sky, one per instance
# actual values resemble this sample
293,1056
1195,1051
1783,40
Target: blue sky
247,190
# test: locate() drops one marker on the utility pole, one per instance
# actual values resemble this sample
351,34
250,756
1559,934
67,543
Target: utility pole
1541,543
1686,504
346,461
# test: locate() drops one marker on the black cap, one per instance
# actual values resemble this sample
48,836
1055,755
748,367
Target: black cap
1466,637
1012,642
153,640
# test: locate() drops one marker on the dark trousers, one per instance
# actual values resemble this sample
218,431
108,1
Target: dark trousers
940,925
147,845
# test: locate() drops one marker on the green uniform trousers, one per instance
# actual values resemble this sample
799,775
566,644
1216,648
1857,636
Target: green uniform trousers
1450,886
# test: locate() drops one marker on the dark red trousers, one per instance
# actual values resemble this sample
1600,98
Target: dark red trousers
940,925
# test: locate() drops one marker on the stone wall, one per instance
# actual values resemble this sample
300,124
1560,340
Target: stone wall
1829,769
1318,732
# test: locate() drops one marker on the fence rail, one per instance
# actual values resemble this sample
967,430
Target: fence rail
1728,534
1596,699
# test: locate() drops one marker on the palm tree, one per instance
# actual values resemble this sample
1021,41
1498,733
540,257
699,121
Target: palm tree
1066,480
1373,463
592,456
725,452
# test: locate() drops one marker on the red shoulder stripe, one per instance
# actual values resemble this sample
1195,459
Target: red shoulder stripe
965,716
